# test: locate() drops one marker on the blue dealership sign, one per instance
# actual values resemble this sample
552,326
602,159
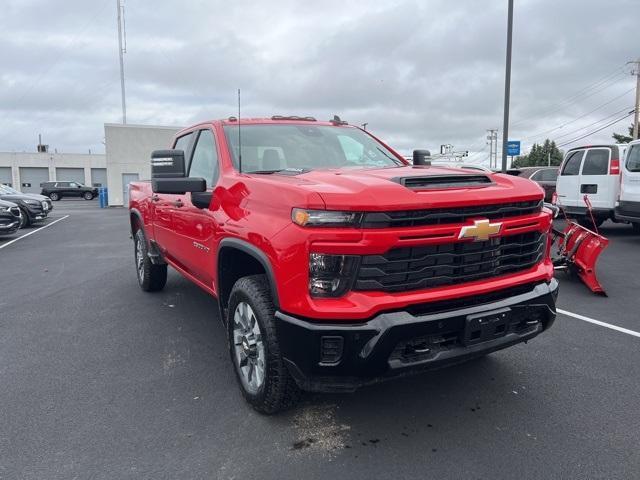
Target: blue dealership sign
513,147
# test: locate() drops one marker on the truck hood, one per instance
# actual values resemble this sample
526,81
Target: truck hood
410,188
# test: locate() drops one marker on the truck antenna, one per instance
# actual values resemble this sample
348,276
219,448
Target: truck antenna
239,137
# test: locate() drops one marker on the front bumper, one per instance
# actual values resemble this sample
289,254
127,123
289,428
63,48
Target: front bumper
36,212
9,224
628,211
423,337
571,211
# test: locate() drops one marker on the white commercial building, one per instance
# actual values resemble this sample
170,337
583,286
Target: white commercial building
128,153
26,171
128,149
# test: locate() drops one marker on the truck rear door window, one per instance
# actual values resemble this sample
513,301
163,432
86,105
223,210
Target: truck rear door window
547,175
596,162
572,164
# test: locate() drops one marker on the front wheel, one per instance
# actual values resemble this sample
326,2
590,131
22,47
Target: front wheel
54,196
636,227
253,344
151,277
24,219
87,195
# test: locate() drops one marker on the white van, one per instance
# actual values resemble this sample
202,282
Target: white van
594,171
628,207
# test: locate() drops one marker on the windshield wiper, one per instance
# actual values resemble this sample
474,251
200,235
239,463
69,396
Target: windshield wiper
265,172
393,159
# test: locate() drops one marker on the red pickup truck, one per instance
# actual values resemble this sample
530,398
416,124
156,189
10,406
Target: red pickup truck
336,263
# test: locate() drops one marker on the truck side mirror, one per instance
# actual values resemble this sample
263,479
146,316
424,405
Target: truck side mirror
168,164
421,157
169,175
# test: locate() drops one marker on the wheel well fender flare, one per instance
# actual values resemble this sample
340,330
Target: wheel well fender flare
257,254
134,212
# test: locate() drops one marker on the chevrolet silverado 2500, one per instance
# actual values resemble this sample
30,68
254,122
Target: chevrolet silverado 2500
335,262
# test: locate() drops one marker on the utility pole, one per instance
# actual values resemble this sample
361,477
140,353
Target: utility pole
507,88
636,72
493,147
121,52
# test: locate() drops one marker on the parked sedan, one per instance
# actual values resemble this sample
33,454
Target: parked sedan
57,190
10,190
544,176
32,210
10,218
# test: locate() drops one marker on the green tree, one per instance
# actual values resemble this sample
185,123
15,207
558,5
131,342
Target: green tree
540,155
622,138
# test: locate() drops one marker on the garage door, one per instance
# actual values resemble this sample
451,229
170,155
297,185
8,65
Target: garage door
70,174
99,177
5,176
31,178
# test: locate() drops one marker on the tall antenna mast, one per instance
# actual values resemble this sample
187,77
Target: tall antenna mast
121,51
239,137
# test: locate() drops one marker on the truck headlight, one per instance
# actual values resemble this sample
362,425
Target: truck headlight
331,275
325,218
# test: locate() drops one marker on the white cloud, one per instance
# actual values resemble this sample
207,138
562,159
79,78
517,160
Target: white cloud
421,73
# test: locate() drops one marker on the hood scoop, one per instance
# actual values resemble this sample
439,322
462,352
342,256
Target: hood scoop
437,182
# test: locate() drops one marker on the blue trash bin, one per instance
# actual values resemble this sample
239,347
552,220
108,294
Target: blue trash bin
103,197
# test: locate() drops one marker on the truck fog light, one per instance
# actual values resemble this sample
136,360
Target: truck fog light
331,275
331,349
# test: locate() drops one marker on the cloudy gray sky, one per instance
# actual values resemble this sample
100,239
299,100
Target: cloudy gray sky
421,73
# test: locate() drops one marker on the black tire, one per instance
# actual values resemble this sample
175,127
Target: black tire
151,277
25,221
636,227
87,196
279,390
54,196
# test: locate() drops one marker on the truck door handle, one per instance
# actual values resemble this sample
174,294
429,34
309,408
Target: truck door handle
178,203
155,198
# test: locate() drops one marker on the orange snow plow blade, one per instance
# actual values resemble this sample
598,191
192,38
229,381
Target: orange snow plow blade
578,251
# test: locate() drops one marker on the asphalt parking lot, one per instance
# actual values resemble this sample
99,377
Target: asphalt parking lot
100,380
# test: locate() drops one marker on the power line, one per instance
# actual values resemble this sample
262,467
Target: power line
594,123
575,98
539,134
595,131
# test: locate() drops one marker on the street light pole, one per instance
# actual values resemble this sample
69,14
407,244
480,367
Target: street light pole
507,89
121,51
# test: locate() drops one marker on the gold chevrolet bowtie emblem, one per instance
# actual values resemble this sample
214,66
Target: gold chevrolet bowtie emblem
480,230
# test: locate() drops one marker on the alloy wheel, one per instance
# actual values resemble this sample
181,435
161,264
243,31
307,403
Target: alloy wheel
248,347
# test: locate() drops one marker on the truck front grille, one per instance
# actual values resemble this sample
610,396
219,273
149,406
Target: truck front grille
440,216
412,268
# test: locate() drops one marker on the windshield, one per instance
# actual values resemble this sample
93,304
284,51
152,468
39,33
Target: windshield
268,148
7,189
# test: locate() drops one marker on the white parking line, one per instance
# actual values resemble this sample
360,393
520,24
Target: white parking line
32,232
598,322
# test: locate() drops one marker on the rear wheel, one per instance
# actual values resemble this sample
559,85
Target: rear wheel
87,195
54,196
151,277
636,227
260,370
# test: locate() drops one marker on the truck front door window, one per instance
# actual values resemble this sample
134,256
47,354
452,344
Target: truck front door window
204,163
